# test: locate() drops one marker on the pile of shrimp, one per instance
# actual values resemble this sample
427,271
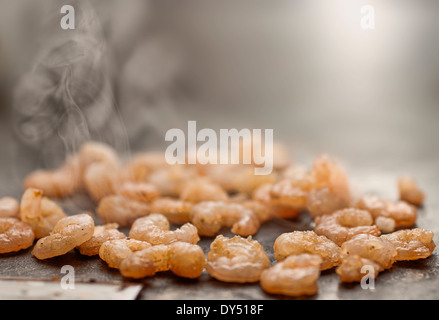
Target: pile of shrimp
166,210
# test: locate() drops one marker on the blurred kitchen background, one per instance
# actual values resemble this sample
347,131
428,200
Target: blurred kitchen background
132,69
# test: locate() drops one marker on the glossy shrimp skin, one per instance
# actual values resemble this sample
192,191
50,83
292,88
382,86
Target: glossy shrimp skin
299,242
155,229
210,216
121,210
101,234
342,225
15,235
67,234
113,252
411,244
295,276
39,212
354,268
175,210
236,259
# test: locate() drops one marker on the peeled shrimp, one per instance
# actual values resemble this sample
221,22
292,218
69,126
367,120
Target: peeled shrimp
327,173
57,183
403,213
94,151
199,190
140,191
121,210
9,207
171,180
100,180
15,235
352,269
295,276
236,259
41,213
370,247
342,225
181,258
176,211
411,244
210,216
101,234
155,229
263,196
299,242
67,234
287,193
113,252
323,201
409,191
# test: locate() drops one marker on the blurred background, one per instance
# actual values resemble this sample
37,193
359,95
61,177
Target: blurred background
132,69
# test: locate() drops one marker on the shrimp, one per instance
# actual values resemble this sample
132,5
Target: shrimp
97,152
403,213
121,210
295,276
101,234
323,201
171,180
411,244
299,242
113,252
141,191
409,191
143,164
386,225
68,233
181,258
15,235
154,229
9,207
261,211
100,180
262,195
57,183
176,211
199,190
370,247
327,173
41,213
186,260
352,268
210,216
287,193
236,259
342,225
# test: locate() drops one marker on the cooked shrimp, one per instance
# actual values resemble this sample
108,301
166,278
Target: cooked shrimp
170,180
67,234
403,213
57,183
93,152
15,235
295,276
236,259
142,263
287,193
155,229
323,201
100,180
261,211
101,234
352,269
370,247
41,213
411,244
140,191
200,189
263,196
327,173
9,207
385,224
142,164
210,216
342,225
186,260
409,191
121,210
299,242
113,252
176,211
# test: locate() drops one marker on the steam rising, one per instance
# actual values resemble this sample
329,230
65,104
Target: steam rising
67,96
